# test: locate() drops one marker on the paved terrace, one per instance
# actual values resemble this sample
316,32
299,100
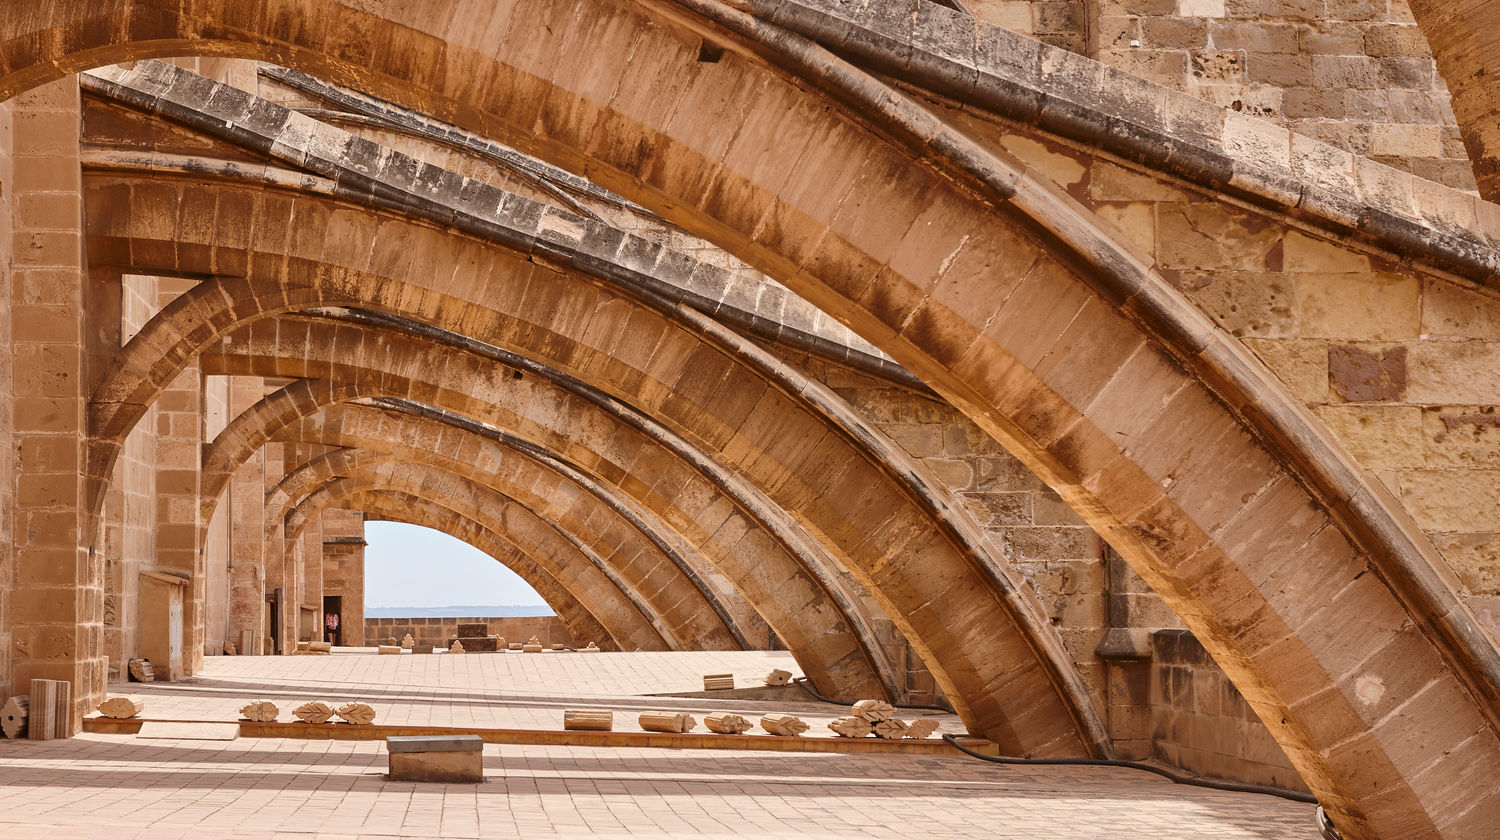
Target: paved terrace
121,787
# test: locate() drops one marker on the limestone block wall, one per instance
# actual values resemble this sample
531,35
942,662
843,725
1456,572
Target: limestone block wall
1353,73
549,629
1199,722
1399,363
7,454
1057,554
1061,23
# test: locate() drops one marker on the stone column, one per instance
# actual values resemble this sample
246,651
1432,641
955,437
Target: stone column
179,531
344,570
274,550
57,603
310,557
246,508
7,452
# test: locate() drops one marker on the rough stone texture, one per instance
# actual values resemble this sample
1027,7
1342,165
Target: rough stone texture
1113,357
442,759
1463,35
1199,722
437,631
1356,75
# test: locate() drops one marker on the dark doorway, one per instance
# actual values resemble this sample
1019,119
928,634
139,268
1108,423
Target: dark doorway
273,621
333,619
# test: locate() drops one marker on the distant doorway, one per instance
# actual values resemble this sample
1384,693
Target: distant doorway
333,619
273,622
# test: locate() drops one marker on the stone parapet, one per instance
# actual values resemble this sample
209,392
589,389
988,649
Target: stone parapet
438,630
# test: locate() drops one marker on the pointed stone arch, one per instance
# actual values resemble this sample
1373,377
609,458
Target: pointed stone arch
1189,459
630,620
635,563
411,510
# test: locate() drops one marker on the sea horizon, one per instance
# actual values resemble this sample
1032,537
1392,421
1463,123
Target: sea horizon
462,611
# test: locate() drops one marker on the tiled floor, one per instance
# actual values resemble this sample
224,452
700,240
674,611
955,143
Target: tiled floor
122,788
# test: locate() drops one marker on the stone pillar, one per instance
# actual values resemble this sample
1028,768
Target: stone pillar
310,557
179,531
279,567
57,604
344,570
216,536
129,514
247,511
7,452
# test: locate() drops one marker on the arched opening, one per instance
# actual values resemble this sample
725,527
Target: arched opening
419,578
423,571
1130,405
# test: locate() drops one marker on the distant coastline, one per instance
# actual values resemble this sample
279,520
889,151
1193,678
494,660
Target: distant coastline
460,611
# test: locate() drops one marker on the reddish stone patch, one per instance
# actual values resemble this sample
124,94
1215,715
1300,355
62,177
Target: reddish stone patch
1360,375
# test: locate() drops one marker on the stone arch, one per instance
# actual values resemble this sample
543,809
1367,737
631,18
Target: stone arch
258,424
635,563
1465,40
959,609
720,522
630,620
579,619
1006,346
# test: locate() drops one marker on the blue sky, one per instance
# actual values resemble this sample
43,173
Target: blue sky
412,566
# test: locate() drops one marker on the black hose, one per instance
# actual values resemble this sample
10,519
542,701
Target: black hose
1198,781
806,686
1325,826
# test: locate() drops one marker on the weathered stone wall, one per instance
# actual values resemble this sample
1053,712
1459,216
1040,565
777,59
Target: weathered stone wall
1399,363
1201,723
1353,73
7,386
549,629
1061,23
1058,555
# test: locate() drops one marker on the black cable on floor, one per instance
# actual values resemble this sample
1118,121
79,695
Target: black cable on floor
806,686
1178,778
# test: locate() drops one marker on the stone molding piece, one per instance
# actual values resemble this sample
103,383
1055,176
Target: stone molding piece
589,721
260,711
314,712
850,726
121,706
783,724
667,721
726,723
